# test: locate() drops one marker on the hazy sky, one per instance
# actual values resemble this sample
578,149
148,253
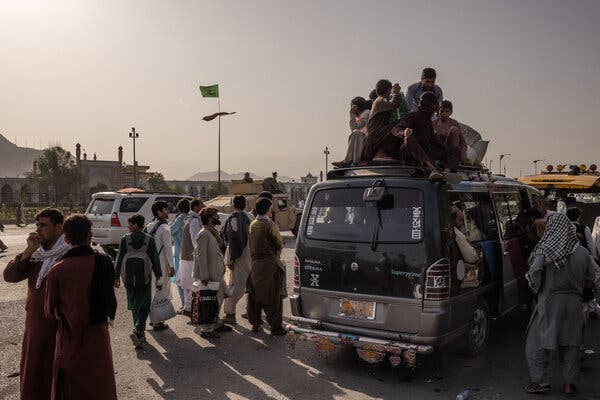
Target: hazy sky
523,73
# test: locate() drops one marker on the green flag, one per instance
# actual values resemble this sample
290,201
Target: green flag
210,91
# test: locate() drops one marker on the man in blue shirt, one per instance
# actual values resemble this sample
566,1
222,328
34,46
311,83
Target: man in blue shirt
427,84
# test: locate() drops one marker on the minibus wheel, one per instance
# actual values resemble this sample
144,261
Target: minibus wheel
479,328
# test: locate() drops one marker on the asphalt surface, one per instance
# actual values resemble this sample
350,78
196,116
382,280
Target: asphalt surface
179,364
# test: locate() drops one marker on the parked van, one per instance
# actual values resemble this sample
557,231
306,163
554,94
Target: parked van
377,267
109,212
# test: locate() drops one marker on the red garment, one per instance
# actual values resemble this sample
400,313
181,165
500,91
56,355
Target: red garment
37,352
83,366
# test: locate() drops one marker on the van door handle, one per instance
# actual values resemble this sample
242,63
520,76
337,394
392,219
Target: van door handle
506,252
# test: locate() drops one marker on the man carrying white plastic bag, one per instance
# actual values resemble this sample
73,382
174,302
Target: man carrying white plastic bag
161,308
209,267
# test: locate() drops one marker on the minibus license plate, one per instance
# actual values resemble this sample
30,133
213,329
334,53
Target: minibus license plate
357,309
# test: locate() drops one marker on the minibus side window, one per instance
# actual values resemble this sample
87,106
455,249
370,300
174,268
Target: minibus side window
480,222
510,213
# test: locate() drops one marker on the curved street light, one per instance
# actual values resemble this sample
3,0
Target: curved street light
500,166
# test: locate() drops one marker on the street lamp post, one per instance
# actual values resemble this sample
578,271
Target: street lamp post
535,162
500,166
326,152
134,135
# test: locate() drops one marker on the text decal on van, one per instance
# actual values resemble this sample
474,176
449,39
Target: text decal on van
416,223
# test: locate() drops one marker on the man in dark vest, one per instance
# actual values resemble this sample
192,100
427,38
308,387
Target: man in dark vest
191,227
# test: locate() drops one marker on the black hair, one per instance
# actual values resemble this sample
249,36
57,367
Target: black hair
207,213
373,95
196,203
183,205
137,219
239,202
263,205
77,228
53,214
447,104
158,206
361,103
428,98
265,195
573,214
428,73
383,87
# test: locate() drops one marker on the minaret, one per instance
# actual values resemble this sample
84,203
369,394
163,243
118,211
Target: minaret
78,152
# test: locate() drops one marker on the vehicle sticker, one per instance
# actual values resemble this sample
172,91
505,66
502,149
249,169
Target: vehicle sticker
315,262
314,280
309,230
311,220
309,267
406,274
416,223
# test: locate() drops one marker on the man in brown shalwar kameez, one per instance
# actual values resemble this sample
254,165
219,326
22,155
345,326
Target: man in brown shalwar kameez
44,247
80,296
264,286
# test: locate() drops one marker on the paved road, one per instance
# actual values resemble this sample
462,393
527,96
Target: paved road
179,364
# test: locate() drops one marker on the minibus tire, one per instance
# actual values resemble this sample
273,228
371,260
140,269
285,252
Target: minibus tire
478,331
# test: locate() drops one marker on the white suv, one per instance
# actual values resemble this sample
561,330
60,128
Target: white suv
109,212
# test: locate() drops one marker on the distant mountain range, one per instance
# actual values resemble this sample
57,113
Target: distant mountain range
212,176
15,160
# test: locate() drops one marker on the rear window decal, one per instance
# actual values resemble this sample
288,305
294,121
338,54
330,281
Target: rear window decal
416,223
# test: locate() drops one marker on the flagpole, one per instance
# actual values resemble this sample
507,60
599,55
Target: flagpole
219,162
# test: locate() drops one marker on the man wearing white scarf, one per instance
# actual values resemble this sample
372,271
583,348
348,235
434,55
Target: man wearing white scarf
45,246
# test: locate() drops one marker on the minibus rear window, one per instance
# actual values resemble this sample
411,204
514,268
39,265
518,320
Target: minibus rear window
342,215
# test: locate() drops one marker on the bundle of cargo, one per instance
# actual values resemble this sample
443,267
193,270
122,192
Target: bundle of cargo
476,146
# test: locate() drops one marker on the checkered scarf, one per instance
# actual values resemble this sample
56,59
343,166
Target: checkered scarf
559,241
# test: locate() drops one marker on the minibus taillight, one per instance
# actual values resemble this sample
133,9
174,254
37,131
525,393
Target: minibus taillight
296,272
437,281
114,220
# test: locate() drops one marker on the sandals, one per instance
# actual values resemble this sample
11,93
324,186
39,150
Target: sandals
536,388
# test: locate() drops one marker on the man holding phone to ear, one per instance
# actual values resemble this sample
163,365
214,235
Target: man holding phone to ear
45,247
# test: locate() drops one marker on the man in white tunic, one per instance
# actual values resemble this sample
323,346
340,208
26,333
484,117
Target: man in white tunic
191,227
160,230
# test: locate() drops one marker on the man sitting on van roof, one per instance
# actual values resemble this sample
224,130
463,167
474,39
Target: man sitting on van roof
427,84
381,142
421,145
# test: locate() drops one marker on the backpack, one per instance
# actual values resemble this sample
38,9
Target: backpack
153,232
137,266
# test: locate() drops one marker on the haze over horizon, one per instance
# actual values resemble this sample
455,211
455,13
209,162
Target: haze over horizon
522,73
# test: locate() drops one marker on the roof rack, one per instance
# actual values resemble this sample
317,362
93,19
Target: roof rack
403,169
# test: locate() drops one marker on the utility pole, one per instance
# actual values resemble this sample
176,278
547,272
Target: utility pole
535,162
500,166
134,135
326,152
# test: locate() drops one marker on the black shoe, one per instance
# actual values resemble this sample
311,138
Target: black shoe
160,326
135,338
256,328
210,335
278,332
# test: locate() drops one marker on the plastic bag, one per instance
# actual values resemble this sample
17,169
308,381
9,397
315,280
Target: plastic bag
205,307
161,308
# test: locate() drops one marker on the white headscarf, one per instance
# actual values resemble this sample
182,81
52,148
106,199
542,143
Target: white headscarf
49,257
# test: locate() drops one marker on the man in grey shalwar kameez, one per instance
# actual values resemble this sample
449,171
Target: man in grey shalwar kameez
559,269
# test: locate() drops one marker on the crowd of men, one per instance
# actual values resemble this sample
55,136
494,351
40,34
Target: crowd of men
416,128
71,300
